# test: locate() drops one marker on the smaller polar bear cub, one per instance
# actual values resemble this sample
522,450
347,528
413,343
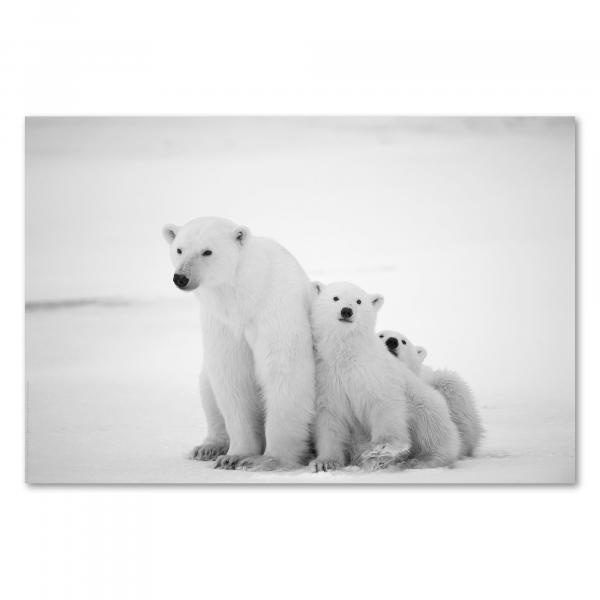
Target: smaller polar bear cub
370,412
457,393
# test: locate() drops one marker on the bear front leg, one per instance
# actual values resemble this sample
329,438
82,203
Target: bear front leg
229,366
330,438
286,372
242,416
216,441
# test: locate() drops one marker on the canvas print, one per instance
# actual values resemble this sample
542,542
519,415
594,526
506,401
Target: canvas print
300,300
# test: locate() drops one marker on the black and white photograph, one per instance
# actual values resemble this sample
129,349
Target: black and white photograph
300,300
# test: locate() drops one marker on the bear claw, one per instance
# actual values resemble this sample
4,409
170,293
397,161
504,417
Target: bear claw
323,465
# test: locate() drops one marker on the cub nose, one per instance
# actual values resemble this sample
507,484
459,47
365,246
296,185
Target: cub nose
346,312
180,280
391,343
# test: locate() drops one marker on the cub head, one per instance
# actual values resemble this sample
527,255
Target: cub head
403,349
205,252
341,308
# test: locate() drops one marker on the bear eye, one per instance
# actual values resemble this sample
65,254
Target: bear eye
404,342
178,250
381,336
359,301
207,253
335,298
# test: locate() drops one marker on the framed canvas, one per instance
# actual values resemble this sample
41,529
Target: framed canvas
300,300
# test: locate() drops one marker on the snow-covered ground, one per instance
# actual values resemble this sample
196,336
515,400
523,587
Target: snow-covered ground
112,399
466,226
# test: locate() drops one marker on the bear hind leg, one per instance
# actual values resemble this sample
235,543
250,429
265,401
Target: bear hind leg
390,438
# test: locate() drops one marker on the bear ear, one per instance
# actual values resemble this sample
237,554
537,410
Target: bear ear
377,301
169,232
317,287
241,234
421,353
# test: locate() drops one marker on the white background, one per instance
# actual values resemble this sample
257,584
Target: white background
458,58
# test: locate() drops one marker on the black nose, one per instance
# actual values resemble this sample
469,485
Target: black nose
391,343
346,312
180,280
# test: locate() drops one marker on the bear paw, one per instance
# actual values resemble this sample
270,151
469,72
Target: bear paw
260,463
431,463
324,465
229,462
208,451
381,456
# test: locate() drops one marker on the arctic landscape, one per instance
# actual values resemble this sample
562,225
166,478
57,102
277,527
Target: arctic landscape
466,226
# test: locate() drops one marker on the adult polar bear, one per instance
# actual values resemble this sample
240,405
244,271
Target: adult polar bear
258,380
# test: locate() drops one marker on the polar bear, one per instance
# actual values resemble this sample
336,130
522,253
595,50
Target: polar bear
258,379
401,347
368,411
457,393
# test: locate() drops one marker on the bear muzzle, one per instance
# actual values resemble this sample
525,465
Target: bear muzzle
392,345
180,281
346,314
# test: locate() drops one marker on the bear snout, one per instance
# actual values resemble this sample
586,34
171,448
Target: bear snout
392,343
180,280
346,313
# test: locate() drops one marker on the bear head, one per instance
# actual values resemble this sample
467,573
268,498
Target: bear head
205,252
403,349
343,308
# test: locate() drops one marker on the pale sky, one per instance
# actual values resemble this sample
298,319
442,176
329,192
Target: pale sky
338,192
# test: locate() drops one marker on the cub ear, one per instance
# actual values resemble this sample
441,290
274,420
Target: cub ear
317,287
169,232
421,353
377,301
241,234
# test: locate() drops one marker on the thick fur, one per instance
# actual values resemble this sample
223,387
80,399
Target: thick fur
258,382
463,409
371,410
435,438
453,388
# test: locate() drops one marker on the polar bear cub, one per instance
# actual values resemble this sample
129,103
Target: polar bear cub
368,411
457,393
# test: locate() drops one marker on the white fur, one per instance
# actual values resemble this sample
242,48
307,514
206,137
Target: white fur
258,381
368,410
457,393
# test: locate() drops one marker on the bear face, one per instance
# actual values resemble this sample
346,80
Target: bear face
341,308
403,349
205,252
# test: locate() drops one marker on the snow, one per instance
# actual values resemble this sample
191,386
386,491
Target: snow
112,399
